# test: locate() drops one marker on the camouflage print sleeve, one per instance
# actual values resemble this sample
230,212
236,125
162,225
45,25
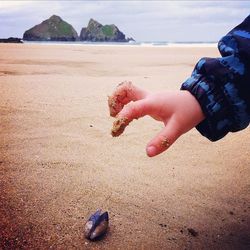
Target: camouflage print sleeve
222,85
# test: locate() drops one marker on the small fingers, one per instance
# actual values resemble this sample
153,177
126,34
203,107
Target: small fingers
124,93
131,111
161,142
135,110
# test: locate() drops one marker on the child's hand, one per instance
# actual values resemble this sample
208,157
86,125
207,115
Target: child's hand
179,111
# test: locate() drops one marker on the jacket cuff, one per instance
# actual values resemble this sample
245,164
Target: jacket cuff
213,104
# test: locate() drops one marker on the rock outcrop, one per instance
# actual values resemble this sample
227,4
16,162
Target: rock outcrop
52,29
96,32
11,40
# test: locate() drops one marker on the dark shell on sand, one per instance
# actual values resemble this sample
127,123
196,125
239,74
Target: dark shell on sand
97,225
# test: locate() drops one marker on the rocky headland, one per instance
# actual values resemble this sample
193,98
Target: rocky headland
56,29
11,40
96,32
52,29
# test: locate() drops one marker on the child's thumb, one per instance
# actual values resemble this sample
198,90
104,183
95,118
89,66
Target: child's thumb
162,141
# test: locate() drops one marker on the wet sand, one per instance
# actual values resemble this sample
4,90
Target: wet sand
59,163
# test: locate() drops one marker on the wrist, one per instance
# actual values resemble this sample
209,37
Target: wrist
191,108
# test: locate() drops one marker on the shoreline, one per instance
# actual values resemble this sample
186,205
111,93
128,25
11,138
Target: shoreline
136,44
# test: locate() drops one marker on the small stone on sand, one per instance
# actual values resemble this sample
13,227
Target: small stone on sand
192,232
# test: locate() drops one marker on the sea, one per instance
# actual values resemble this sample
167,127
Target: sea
130,44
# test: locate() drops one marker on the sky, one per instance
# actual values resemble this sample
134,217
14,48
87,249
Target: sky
173,21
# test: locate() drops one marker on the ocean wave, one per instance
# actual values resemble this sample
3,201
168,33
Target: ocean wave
131,43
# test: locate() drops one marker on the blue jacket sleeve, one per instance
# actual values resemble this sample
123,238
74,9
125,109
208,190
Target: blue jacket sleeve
222,85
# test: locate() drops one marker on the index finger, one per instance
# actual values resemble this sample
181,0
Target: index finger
124,93
133,110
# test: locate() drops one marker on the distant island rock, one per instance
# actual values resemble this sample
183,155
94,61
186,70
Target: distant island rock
56,29
11,40
96,32
52,29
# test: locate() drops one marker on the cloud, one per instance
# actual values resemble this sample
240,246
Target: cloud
144,20
12,5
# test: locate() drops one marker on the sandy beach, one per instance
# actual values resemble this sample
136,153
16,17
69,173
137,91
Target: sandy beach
59,163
